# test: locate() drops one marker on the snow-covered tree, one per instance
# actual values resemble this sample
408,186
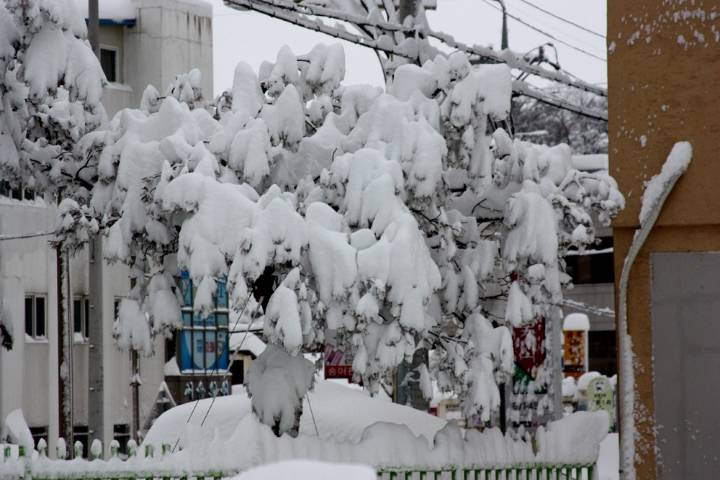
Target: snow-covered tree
399,219
50,89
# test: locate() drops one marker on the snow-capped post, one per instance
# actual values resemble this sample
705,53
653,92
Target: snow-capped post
78,449
42,448
61,449
132,447
397,220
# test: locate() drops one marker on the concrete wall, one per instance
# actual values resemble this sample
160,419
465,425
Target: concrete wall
29,372
663,66
170,37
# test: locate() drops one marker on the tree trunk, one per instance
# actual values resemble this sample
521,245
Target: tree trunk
65,347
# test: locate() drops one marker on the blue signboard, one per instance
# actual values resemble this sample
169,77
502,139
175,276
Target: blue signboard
203,341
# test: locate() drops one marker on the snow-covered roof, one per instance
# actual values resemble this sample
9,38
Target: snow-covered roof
239,341
113,11
124,12
591,163
576,321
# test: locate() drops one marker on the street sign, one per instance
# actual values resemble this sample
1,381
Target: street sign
601,396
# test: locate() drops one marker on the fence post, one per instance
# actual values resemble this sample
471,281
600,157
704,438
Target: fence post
78,449
61,449
132,447
114,448
96,449
42,447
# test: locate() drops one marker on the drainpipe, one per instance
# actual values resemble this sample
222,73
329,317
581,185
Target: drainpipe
626,373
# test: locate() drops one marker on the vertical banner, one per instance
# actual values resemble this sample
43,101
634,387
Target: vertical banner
529,347
574,353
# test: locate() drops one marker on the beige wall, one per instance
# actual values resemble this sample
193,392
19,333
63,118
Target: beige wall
662,85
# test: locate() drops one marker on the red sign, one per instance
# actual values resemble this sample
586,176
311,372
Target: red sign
338,371
529,346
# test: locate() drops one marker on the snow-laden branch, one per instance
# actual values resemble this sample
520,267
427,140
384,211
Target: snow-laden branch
603,312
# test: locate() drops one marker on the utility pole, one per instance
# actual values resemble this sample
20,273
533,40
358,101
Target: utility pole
504,39
96,405
135,385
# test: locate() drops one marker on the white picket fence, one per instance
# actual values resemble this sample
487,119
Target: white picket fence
152,465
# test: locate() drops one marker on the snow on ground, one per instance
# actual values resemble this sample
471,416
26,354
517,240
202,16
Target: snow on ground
307,470
340,412
17,429
608,462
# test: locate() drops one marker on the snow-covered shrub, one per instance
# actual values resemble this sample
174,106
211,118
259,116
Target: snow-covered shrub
397,219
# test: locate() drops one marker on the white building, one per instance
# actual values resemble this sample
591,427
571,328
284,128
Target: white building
142,42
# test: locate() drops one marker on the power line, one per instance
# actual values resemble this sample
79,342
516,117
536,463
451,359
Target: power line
547,12
289,12
26,235
282,10
543,32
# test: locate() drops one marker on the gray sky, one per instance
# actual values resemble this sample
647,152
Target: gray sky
253,37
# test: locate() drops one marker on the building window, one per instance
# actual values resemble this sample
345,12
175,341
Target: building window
237,369
19,193
203,341
35,316
602,352
595,266
121,433
109,62
81,316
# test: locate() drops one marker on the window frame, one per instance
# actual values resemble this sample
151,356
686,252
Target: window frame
116,51
34,321
84,314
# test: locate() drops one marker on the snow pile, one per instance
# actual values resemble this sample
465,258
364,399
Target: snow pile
385,435
17,431
277,383
675,165
574,439
330,401
305,470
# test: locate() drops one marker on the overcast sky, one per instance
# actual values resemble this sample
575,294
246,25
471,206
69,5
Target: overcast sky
253,37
